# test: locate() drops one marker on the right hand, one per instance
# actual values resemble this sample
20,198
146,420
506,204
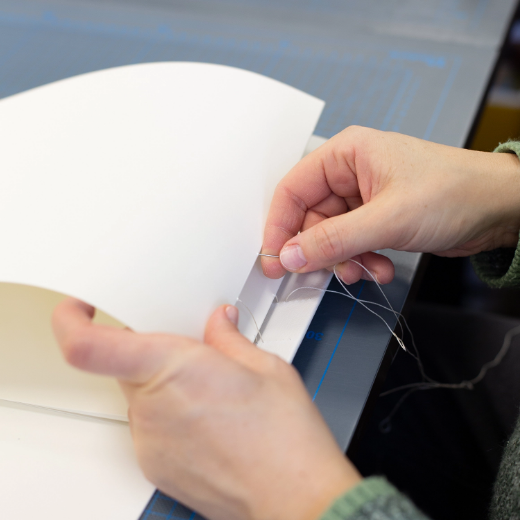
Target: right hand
366,190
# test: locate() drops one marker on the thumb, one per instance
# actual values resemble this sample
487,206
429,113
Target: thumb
337,239
222,333
111,351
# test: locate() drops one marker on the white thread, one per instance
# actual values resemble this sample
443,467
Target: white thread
428,383
259,335
399,340
363,302
467,384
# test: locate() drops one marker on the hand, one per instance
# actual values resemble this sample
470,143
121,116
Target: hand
227,429
366,190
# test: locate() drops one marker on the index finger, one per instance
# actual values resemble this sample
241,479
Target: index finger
311,182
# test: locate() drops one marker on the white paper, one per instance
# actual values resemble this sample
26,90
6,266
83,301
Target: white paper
255,300
290,316
259,294
143,190
54,467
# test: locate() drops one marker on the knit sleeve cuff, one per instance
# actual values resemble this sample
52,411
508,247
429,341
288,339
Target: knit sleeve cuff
373,498
500,267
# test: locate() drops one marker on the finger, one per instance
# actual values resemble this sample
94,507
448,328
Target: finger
311,181
340,238
222,333
329,207
107,350
379,267
348,272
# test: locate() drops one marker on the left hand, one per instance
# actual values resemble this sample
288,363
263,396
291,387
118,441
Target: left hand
227,429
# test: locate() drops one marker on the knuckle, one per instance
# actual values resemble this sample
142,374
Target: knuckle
354,131
298,202
328,241
332,162
360,136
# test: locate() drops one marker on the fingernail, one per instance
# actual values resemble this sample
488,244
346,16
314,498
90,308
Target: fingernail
370,276
292,257
232,314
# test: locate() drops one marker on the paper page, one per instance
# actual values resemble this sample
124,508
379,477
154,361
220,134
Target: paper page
143,189
290,316
58,466
32,368
260,293
255,300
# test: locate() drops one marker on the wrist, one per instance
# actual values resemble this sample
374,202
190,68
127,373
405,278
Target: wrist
315,500
503,200
488,195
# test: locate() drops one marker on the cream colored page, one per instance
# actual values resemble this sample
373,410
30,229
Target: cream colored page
32,369
142,189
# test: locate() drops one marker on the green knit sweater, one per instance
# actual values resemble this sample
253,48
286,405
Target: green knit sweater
375,499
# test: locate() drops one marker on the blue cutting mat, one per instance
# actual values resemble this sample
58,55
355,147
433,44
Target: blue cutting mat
370,85
163,508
